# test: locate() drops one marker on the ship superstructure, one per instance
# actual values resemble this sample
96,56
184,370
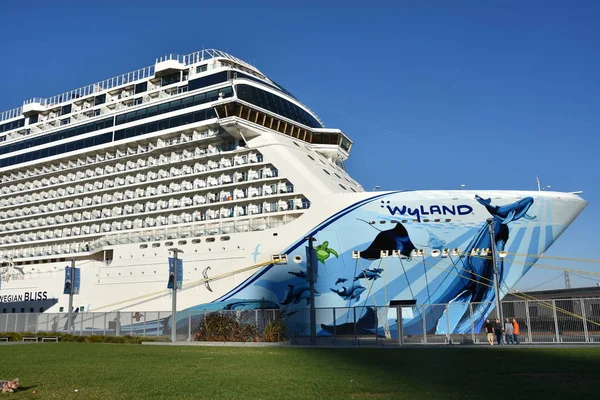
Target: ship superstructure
205,153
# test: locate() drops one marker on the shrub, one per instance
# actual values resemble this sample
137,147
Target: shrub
217,327
274,331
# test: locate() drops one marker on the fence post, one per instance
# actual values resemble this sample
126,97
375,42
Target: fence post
256,319
472,323
16,322
144,325
399,324
448,337
555,321
376,326
104,326
118,324
584,317
529,336
355,333
6,324
334,326
424,323
26,323
81,326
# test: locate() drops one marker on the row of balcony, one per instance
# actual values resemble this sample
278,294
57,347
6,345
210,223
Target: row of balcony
129,200
117,154
208,228
164,181
122,173
280,202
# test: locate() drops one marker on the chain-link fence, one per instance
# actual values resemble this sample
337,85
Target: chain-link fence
539,321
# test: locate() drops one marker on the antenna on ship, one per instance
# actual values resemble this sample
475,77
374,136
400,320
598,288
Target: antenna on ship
539,186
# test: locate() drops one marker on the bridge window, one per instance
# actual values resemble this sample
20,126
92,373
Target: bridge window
276,104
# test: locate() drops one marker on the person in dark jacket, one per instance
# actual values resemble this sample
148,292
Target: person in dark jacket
498,331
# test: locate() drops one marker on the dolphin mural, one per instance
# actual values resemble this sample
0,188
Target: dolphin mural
301,274
296,294
352,293
392,239
369,274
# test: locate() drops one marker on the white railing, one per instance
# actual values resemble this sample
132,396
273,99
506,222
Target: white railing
110,83
202,55
15,112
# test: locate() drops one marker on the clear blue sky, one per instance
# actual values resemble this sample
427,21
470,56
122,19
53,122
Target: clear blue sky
435,94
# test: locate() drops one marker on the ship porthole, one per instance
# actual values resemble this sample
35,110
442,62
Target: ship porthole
297,259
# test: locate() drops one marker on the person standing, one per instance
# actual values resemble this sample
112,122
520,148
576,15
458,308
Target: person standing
489,330
516,331
508,331
498,331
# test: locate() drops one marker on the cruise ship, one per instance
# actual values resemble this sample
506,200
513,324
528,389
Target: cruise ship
205,154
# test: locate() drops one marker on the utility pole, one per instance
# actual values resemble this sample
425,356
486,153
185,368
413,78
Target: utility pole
70,321
495,263
567,280
311,270
174,304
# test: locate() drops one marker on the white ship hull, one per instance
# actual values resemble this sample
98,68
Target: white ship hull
136,279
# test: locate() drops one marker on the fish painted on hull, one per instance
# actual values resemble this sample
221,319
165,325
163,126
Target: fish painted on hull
392,239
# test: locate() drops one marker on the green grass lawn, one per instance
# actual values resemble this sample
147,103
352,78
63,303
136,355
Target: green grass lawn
114,371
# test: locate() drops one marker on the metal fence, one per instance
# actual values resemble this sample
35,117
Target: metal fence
551,321
118,323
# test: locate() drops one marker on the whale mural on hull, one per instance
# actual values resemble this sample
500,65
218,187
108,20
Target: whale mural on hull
370,282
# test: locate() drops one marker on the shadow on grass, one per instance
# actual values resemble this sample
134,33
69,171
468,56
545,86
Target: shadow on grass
464,373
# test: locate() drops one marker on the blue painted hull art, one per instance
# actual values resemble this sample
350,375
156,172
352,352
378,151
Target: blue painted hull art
455,280
322,225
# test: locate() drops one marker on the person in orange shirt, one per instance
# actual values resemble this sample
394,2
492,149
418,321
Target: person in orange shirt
516,330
